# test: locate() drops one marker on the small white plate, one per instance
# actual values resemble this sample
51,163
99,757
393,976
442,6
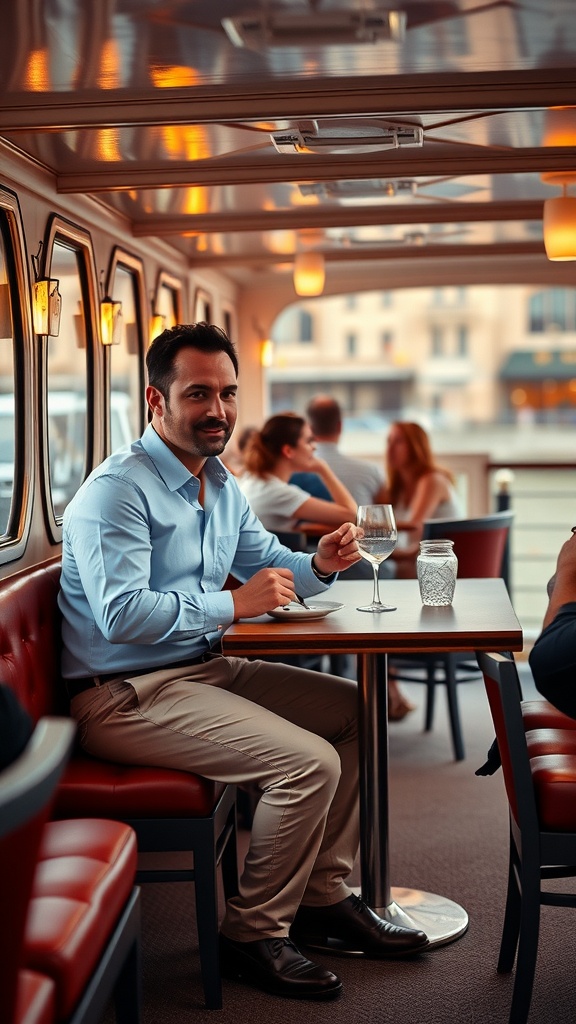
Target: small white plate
315,610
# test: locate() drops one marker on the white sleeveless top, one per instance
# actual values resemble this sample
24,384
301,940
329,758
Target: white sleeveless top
448,509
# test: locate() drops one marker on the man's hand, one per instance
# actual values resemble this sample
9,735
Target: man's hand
267,589
339,550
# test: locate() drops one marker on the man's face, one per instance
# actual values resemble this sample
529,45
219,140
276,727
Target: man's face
199,416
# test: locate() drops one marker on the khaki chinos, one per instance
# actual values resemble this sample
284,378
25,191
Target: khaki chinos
289,731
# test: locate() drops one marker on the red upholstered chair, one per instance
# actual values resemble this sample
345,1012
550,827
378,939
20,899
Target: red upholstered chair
169,810
480,545
539,767
70,913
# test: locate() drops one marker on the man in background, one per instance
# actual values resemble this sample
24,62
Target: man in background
364,480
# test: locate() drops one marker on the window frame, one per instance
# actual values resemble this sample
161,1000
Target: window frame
71,235
135,267
13,543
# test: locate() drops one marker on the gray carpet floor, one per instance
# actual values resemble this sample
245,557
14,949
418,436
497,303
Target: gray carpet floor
448,835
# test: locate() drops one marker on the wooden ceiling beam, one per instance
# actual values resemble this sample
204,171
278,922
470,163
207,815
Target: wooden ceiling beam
433,160
417,212
364,254
285,98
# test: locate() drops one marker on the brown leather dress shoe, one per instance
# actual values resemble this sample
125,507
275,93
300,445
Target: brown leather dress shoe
278,967
351,926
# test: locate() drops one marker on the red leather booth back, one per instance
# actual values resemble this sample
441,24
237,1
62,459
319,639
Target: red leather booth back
30,639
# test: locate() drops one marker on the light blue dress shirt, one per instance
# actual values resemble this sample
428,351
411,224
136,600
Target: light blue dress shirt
144,564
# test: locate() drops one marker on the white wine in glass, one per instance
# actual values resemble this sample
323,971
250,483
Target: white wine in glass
379,540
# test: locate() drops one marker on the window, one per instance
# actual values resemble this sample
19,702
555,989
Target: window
168,301
387,343
69,446
351,344
202,307
552,310
126,359
17,453
462,340
7,384
305,326
437,341
351,301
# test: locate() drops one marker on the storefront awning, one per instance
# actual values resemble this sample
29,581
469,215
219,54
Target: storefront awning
527,366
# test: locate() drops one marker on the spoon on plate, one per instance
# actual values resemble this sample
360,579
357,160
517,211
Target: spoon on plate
300,601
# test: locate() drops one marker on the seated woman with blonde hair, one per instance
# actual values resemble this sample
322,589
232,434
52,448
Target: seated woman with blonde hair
283,446
418,488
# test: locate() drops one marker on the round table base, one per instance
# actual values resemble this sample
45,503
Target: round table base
441,919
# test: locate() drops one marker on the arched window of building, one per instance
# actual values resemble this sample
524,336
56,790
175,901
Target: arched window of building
305,326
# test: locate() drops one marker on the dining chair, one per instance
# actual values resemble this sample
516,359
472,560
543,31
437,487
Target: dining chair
480,545
539,769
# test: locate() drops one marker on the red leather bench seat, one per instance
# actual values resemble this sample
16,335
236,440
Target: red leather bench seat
101,788
84,876
539,714
35,1002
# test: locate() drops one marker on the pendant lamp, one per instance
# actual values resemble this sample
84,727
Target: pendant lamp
309,273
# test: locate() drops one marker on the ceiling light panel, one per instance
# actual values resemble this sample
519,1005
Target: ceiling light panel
255,29
344,135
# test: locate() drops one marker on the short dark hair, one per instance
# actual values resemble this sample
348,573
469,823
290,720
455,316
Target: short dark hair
165,347
324,415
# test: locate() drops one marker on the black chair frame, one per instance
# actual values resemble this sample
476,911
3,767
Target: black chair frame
534,854
212,842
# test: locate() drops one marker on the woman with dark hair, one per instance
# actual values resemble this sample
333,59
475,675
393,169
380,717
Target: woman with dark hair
286,445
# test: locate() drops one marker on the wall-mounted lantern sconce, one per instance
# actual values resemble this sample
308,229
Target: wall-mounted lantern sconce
266,352
111,321
157,325
46,301
309,273
110,318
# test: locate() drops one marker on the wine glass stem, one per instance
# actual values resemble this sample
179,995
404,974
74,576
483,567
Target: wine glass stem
376,597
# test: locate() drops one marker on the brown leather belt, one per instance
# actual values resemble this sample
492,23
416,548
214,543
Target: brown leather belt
77,686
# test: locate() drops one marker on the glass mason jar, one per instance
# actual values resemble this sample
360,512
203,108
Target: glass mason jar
437,568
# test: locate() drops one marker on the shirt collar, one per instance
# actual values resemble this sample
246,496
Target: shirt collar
171,469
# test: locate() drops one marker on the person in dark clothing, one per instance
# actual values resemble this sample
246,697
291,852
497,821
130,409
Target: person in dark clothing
553,657
16,726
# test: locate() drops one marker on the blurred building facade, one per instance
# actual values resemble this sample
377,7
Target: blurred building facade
451,356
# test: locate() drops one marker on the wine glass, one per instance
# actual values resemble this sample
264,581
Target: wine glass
379,541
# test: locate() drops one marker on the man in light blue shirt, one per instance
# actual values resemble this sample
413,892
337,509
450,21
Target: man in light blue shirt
148,543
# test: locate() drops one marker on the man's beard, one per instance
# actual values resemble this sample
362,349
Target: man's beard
206,446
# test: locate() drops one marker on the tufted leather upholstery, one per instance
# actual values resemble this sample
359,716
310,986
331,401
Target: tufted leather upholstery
123,791
540,714
30,639
169,810
35,999
70,913
84,874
